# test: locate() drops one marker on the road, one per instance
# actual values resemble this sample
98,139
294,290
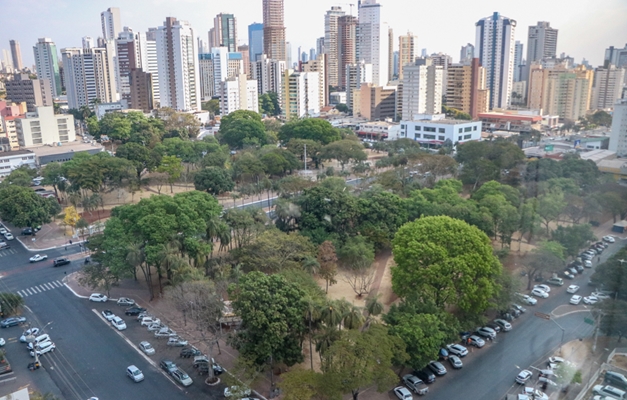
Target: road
489,373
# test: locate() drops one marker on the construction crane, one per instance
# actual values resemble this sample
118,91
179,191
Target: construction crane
348,4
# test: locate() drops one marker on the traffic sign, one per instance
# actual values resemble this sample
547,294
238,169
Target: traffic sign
588,321
548,147
542,315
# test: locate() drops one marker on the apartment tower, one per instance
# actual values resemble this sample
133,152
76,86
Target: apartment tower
274,44
47,64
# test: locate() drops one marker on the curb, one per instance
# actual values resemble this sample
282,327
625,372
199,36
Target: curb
48,248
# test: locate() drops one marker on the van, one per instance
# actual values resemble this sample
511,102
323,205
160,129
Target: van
609,391
555,281
615,379
39,339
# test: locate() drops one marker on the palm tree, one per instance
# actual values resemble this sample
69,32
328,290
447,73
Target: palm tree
354,318
331,314
325,339
374,308
311,265
312,314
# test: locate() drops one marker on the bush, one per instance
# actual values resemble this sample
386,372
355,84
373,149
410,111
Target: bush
10,303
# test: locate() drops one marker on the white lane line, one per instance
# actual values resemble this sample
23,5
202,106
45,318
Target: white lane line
43,289
21,295
48,286
28,291
55,284
36,289
75,294
59,283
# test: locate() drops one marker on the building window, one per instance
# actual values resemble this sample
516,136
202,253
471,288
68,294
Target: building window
431,137
417,128
417,136
441,137
460,130
474,128
466,137
459,138
429,129
440,130
402,126
467,129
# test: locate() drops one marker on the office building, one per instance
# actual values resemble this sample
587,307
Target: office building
541,44
616,56
319,66
320,45
560,90
356,75
89,75
33,92
395,64
442,60
111,23
406,52
301,96
331,43
7,63
255,41
177,59
288,54
390,55
269,75
373,41
518,62
312,54
431,131
150,64
45,127
224,32
245,52
216,67
129,58
88,42
141,97
274,44
466,88
47,64
238,93
494,46
422,88
375,103
16,55
618,136
466,54
347,46
607,87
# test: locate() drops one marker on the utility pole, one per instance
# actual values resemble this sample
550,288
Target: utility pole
596,332
305,157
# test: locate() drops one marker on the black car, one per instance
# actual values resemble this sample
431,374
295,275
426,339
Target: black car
60,261
188,352
13,321
425,375
134,310
27,232
494,325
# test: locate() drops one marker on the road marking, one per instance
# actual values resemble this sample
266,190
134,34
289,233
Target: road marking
49,286
28,291
23,294
8,379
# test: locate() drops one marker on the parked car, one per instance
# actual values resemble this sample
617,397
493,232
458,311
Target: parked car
29,332
415,384
523,376
539,293
425,375
403,393
8,236
575,299
535,394
573,270
156,327
525,298
521,309
543,287
505,326
437,368
236,390
579,268
572,289
615,379
13,321
134,373
590,300
43,348
3,230
568,274
177,341
608,391
189,352
165,332
146,348
494,325
38,257
60,261
118,323
134,310
146,321
455,362
601,295
181,377
97,297
587,264
486,332
555,281
476,341
125,301
457,349
167,365
108,315
609,239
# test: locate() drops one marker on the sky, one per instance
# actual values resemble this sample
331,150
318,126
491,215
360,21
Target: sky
586,27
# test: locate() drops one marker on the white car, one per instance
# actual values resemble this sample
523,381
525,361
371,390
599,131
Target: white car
146,348
98,298
8,236
29,332
528,299
3,230
609,239
457,349
505,326
575,300
539,293
535,394
2,342
108,315
403,393
134,373
43,348
231,390
601,295
590,300
572,289
38,257
587,263
181,377
118,323
147,321
543,287
523,376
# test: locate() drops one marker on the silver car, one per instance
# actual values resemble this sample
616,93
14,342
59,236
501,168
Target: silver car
455,362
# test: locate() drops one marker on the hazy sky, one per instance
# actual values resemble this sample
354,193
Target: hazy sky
586,27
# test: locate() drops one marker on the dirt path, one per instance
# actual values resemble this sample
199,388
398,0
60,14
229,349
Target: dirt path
380,262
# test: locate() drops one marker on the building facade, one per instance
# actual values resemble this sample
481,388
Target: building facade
238,93
45,127
518,61
406,52
111,23
375,103
331,43
373,41
422,88
129,58
607,87
616,56
11,160
255,41
274,44
301,97
319,66
494,46
224,32
618,136
47,64
16,54
466,88
347,46
466,54
431,131
151,65
541,43
357,74
33,92
216,67
140,84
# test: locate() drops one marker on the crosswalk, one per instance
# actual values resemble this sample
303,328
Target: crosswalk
33,290
7,252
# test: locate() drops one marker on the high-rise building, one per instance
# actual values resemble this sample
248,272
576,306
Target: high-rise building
224,32
466,54
88,42
255,41
269,75
238,93
34,92
422,88
89,76
7,63
541,43
141,98
466,88
347,46
320,45
301,96
375,103
618,136
47,64
607,87
443,60
16,55
560,90
129,58
288,54
616,56
216,67
406,52
494,46
372,41
356,75
390,54
274,45
111,23
244,51
331,43
319,66
312,54
177,59
518,62
150,64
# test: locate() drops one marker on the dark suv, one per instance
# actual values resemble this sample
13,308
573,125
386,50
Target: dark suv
425,375
60,261
615,379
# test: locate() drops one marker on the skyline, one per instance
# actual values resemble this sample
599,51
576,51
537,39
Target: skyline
578,22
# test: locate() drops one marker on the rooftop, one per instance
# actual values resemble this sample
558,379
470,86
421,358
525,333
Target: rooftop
64,148
14,153
513,117
442,121
597,155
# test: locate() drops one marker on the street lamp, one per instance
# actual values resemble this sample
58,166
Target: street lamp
31,339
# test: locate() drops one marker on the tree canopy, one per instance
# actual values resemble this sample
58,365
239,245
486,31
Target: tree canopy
309,128
242,128
23,207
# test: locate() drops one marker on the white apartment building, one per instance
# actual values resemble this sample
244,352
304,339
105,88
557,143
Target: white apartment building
301,97
149,61
11,160
372,41
89,75
433,130
607,87
618,136
214,68
10,130
177,60
269,75
47,64
495,47
238,93
422,89
331,45
45,127
356,75
111,23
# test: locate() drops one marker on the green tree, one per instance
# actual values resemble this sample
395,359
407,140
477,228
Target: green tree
53,176
21,176
213,180
573,238
612,274
269,104
550,207
380,215
141,157
309,128
327,258
344,151
613,319
23,207
297,147
301,384
11,303
97,276
272,312
274,251
548,256
446,262
181,124
213,106
171,165
356,256
242,128
342,107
